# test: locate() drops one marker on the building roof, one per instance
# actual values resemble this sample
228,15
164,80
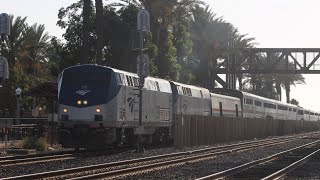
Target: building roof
45,89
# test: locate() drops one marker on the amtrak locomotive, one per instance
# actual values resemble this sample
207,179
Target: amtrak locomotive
98,106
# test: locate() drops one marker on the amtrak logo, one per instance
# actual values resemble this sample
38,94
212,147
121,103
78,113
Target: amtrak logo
130,100
82,92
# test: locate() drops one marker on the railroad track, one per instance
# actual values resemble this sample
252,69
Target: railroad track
115,169
272,167
34,158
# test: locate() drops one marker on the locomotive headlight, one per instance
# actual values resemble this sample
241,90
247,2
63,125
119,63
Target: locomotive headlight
65,110
85,102
79,102
98,110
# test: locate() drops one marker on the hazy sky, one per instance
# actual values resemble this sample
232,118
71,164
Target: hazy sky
274,23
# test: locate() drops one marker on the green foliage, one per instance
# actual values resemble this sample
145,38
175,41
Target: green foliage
294,101
185,41
39,144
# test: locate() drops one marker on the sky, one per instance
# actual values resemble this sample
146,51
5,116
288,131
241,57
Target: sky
273,23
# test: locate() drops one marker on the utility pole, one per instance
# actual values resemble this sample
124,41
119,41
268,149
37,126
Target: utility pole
143,25
99,18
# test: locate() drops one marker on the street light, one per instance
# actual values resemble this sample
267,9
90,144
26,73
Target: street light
18,94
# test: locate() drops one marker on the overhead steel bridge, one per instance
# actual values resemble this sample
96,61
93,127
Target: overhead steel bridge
266,61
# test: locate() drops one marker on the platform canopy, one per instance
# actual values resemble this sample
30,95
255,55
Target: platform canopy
46,89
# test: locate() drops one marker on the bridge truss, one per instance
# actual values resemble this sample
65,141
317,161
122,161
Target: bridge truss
274,61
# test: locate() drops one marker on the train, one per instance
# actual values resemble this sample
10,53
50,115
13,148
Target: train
98,106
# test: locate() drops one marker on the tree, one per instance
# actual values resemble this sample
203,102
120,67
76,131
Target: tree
14,43
294,102
23,47
209,36
36,41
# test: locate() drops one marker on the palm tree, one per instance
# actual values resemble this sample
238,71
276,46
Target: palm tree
241,42
14,42
208,35
35,44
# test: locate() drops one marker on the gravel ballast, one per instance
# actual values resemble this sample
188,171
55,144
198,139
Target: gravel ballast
190,170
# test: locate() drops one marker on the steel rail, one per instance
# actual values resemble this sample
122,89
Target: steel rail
281,173
252,144
5,158
35,159
152,166
237,169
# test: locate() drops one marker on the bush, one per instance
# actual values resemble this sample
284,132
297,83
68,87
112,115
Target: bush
39,144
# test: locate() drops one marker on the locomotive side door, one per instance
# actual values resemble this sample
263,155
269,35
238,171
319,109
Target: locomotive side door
122,98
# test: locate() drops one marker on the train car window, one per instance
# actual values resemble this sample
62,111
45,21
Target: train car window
249,101
311,113
136,81
257,103
283,108
316,114
300,112
237,114
189,92
184,90
220,106
128,81
294,110
270,106
306,112
157,85
201,94
290,109
131,81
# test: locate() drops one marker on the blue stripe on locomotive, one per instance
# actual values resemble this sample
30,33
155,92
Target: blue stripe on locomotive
100,81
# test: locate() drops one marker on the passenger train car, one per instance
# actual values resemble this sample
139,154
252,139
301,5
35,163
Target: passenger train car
259,107
98,106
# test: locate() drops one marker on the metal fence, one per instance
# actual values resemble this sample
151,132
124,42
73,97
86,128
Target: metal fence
206,130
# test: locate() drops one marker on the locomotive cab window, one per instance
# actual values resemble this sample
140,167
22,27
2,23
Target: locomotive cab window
300,112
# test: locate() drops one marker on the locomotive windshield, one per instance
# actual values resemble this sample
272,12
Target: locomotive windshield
88,83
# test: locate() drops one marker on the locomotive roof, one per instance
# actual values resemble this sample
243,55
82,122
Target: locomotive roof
164,85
